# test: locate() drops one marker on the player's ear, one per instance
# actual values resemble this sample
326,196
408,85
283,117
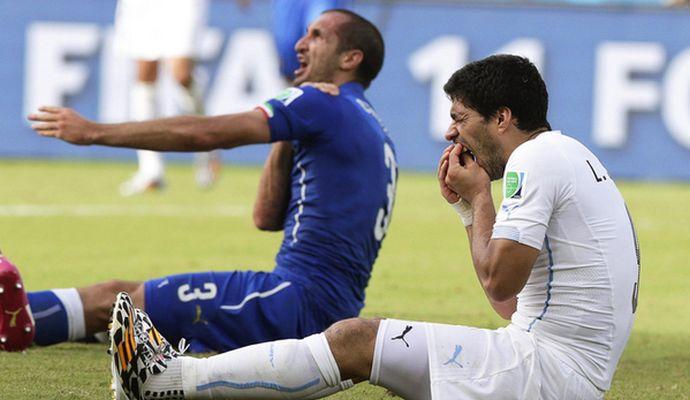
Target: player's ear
351,59
504,118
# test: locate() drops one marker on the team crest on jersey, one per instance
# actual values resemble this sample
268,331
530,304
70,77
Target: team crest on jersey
289,95
514,185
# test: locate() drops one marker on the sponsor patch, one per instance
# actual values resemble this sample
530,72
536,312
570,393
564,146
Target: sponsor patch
514,185
289,95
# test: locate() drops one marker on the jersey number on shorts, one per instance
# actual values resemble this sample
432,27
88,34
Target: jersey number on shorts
186,294
383,219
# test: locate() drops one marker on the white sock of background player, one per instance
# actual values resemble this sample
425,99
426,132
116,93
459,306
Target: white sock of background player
142,107
189,101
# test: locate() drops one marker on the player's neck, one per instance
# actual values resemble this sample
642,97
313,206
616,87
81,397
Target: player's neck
518,137
340,78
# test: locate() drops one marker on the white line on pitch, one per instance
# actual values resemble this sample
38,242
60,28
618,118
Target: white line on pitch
104,210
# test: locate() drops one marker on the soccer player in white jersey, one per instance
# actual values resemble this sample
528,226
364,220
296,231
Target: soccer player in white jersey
560,261
149,31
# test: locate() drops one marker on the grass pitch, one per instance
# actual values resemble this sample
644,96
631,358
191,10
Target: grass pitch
64,225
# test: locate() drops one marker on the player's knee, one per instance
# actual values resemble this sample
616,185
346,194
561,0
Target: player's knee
97,301
113,287
352,343
102,295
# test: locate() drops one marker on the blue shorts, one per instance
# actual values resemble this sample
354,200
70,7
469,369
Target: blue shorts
221,311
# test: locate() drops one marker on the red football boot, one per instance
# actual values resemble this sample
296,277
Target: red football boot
17,326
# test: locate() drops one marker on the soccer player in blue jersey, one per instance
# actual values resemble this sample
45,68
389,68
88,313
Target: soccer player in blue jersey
328,183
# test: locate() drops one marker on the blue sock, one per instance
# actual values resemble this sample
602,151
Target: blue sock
58,314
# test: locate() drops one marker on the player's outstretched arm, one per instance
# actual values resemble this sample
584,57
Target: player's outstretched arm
273,197
184,133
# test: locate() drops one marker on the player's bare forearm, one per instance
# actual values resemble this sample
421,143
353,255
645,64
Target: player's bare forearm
184,133
502,265
479,235
273,194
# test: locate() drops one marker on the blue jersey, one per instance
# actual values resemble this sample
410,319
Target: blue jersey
342,191
343,182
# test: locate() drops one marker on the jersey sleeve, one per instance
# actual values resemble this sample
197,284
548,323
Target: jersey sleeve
300,113
535,184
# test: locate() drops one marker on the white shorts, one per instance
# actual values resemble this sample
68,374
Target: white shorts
156,29
436,361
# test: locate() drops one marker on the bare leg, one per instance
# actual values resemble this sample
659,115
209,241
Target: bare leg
98,302
182,69
352,344
147,71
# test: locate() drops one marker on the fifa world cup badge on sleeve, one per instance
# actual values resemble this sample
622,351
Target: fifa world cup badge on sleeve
514,185
289,95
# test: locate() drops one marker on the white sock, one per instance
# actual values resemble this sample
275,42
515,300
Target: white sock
166,385
285,369
189,100
71,301
142,107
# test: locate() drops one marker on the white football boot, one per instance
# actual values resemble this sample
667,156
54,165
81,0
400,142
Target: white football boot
138,351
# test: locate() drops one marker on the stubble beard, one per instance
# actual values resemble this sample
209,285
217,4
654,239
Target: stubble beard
320,73
490,153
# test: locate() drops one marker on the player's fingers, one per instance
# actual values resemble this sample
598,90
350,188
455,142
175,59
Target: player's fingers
467,159
48,132
454,157
42,117
443,157
448,181
447,150
49,109
443,170
44,126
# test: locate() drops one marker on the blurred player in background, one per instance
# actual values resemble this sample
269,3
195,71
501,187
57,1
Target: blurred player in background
560,260
328,183
150,31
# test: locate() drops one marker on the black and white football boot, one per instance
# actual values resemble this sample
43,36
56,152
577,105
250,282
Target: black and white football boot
138,351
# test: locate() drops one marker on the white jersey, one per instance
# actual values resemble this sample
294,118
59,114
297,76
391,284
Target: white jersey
581,295
155,29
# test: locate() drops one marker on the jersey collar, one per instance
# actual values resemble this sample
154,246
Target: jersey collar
352,87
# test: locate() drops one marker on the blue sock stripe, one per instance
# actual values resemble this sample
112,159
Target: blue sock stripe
258,384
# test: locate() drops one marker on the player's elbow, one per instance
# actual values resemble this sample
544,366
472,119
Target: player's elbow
499,295
264,222
499,288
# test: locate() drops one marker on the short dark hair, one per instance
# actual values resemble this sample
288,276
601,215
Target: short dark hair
358,33
502,81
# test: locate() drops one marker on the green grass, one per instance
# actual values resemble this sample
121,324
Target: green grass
423,272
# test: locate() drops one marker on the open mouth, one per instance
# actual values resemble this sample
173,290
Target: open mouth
302,67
